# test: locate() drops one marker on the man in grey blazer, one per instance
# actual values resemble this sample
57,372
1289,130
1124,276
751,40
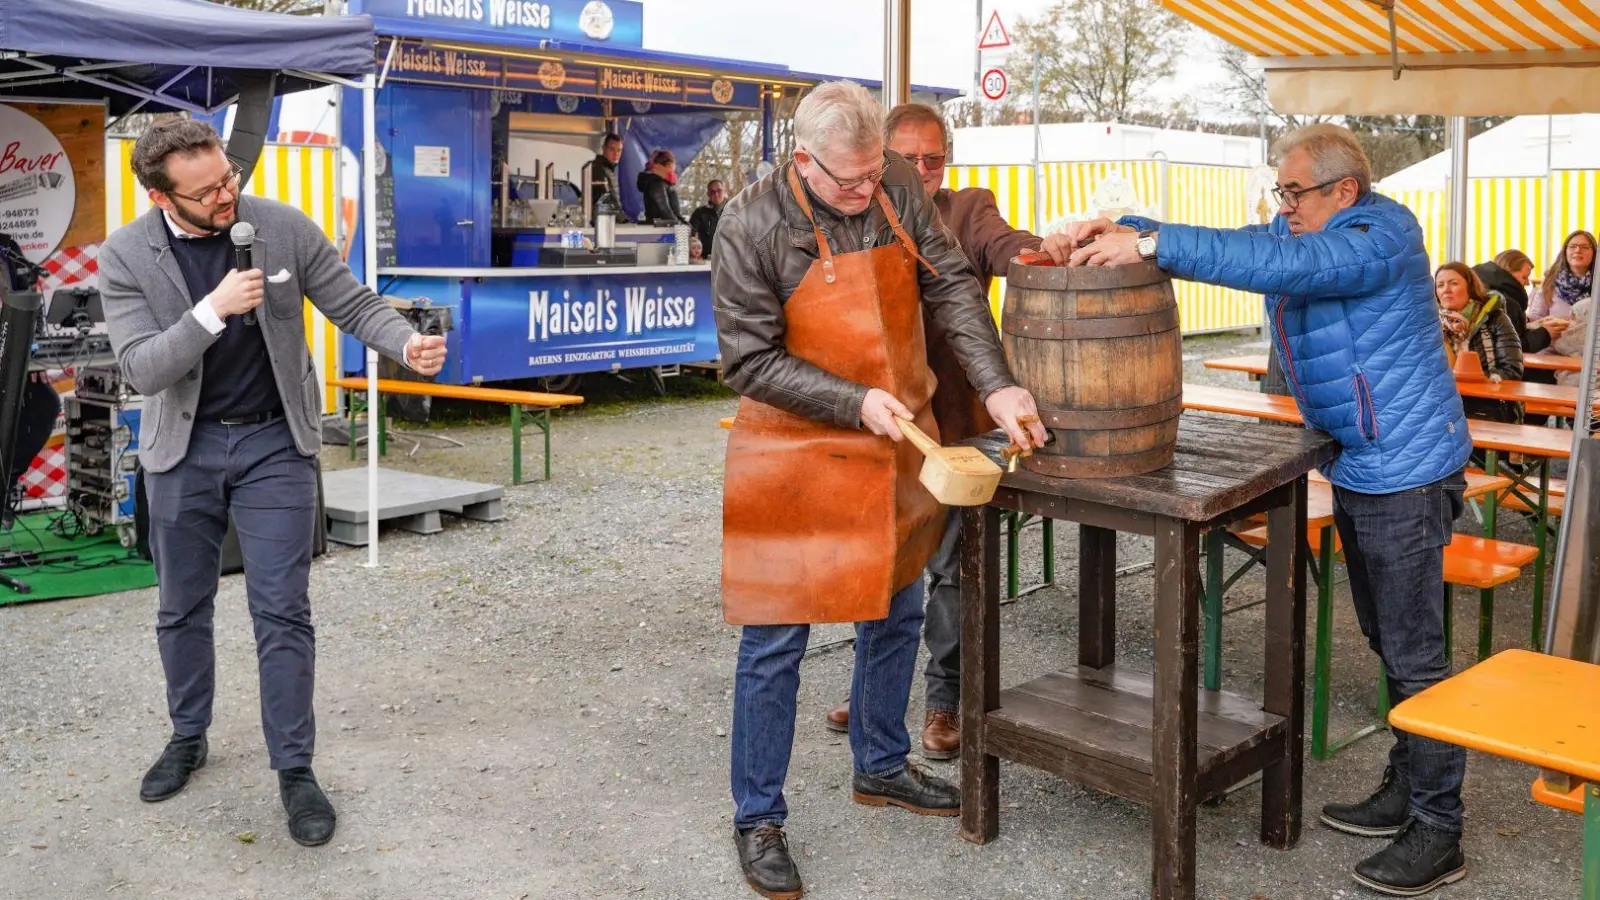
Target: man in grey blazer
231,424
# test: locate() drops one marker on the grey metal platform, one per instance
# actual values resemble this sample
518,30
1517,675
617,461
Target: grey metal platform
411,501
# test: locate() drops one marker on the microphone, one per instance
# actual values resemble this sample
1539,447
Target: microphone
243,235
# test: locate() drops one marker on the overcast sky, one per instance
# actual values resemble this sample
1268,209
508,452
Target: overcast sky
845,37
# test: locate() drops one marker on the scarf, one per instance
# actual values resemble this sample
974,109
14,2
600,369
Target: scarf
1570,287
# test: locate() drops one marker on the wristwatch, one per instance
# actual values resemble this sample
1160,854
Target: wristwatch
1146,245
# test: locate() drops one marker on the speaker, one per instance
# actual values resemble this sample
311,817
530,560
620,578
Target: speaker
232,557
251,119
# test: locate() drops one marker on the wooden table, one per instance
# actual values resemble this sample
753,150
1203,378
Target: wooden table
1544,399
1523,706
1158,740
1256,365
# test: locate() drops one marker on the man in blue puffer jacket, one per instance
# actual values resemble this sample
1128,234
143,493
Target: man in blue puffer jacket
1349,296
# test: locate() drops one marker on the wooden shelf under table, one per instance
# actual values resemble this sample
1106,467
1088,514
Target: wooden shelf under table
1094,726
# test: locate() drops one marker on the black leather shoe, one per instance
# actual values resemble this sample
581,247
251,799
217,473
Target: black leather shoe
1419,860
764,858
180,759
311,816
914,788
1380,815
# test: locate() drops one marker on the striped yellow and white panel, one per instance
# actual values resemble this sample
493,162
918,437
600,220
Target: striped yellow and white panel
1013,193
1070,189
1577,206
301,176
1431,207
1360,28
1215,197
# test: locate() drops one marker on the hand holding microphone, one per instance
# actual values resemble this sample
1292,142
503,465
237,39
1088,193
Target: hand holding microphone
243,235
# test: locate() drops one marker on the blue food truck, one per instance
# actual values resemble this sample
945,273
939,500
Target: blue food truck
490,115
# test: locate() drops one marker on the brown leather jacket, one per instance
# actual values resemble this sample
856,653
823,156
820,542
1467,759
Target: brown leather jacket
764,247
988,243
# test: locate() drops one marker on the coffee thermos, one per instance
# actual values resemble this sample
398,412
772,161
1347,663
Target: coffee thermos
605,223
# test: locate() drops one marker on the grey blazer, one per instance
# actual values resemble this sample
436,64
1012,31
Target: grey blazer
159,343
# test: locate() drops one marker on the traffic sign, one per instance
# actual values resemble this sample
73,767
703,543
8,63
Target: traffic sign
994,34
994,84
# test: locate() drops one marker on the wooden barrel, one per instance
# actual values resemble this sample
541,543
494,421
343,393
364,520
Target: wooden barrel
1100,350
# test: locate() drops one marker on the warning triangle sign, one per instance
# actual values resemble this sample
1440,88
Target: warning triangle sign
994,34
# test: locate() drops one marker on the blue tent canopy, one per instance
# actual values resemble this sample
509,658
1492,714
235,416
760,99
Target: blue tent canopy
168,55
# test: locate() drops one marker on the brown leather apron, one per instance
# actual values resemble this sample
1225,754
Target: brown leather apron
822,523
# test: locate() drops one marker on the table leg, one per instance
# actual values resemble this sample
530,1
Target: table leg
1049,538
1591,841
1213,611
1285,664
980,670
383,427
542,417
1097,597
1014,522
1322,675
1174,757
516,443
1491,506
1541,518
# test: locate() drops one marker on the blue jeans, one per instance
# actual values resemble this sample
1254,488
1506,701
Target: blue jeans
768,680
1394,549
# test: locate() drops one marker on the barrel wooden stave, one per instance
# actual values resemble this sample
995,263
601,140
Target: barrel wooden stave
1101,351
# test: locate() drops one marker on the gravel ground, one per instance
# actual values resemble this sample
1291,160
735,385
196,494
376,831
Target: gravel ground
539,708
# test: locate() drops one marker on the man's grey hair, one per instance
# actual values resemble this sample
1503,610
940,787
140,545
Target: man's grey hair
839,115
1335,154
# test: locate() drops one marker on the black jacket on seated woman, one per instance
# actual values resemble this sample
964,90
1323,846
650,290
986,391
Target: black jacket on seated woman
1498,276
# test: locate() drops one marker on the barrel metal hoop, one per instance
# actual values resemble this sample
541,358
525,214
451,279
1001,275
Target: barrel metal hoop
1090,329
1084,278
1099,466
1112,419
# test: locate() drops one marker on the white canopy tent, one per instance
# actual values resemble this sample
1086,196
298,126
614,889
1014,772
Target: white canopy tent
1433,57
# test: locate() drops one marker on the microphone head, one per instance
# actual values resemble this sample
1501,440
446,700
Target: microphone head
243,234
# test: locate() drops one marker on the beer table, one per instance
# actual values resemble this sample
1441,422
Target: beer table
1158,738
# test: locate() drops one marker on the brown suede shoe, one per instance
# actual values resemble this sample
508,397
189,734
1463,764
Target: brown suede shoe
838,718
941,735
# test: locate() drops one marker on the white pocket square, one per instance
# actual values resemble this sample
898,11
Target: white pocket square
280,278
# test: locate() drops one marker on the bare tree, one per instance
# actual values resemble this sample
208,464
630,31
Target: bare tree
1099,57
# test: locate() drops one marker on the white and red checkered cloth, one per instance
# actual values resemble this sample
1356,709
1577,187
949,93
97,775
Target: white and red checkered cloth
71,265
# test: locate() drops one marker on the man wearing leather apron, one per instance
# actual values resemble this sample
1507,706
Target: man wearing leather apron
918,134
821,278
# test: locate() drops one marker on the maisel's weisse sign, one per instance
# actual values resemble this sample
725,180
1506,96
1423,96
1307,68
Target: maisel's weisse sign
604,23
436,65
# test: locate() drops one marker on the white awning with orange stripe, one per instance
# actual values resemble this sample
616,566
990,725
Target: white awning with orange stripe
1452,57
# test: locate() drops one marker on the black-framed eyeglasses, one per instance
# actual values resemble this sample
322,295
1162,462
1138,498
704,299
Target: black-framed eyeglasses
209,196
853,183
1290,197
931,160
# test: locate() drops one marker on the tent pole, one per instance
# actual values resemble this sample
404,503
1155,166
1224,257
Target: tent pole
1549,187
1456,244
369,216
896,52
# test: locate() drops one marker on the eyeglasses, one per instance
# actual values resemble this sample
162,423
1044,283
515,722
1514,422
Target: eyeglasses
931,160
1290,197
853,183
210,195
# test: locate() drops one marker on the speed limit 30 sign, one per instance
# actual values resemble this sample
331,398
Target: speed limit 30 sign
994,84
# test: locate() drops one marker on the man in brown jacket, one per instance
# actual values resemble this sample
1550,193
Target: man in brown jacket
918,134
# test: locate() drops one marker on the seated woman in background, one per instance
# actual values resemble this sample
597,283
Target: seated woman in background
1508,275
1570,279
1571,344
1474,318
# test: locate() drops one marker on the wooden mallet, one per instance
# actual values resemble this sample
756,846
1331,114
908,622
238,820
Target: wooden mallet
955,476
